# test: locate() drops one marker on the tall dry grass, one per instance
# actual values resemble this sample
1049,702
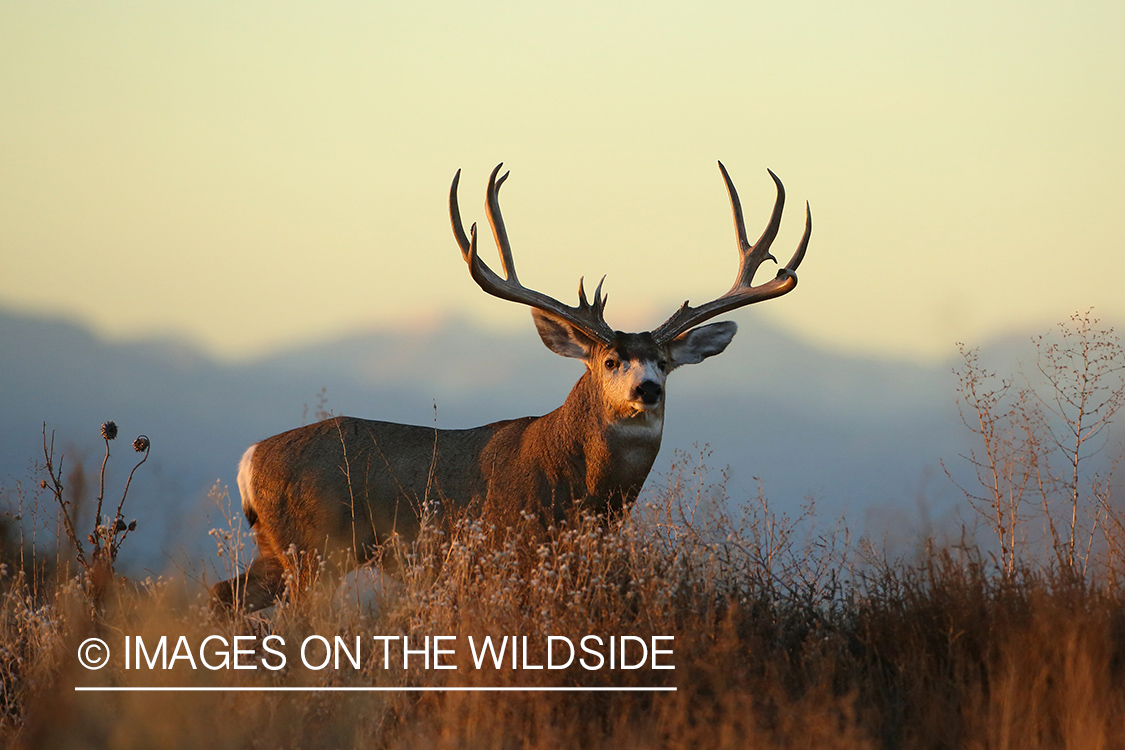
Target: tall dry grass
951,651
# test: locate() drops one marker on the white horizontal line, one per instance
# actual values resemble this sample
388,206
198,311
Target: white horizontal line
371,689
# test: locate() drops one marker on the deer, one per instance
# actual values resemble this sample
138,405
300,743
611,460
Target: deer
349,485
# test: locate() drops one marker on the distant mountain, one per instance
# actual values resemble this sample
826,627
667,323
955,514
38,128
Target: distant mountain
855,433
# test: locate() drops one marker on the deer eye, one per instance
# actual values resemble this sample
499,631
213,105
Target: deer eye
610,363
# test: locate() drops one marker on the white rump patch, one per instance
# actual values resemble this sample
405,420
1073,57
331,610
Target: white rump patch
245,487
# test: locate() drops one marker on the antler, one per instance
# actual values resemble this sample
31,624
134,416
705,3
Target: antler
750,258
586,317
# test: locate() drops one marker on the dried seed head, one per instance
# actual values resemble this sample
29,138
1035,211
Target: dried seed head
109,430
133,525
140,445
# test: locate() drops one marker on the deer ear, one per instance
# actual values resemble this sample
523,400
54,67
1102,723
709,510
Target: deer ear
561,337
700,343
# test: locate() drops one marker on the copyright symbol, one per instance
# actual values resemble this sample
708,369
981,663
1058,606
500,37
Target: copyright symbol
93,653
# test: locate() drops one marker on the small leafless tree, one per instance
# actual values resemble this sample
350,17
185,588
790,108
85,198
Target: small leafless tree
1084,368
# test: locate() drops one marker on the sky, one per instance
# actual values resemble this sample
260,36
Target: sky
255,175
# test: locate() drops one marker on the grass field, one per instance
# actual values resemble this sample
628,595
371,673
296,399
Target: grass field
783,631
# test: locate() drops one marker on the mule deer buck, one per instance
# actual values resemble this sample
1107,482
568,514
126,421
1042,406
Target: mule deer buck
348,485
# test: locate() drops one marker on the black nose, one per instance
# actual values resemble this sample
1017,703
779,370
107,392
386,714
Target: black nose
649,392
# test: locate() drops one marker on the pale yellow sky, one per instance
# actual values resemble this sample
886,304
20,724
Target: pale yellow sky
255,174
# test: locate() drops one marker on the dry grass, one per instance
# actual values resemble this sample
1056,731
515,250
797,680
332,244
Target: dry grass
817,649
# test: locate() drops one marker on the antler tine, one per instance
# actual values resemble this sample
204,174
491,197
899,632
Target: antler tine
586,317
751,257
599,300
455,219
496,220
803,245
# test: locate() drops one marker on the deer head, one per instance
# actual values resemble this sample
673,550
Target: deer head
630,369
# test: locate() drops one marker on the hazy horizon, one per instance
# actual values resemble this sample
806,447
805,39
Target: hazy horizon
438,319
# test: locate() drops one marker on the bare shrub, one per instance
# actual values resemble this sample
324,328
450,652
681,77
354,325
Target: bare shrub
109,533
1084,368
1038,484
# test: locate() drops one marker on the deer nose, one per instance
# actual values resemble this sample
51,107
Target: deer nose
649,392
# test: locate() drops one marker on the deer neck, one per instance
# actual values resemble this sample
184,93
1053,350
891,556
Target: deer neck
611,450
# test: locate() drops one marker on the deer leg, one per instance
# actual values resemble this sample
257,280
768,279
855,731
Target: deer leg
257,588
